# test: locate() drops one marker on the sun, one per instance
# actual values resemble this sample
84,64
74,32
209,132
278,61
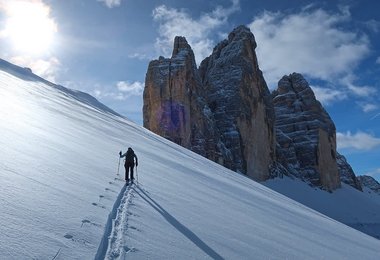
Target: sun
29,27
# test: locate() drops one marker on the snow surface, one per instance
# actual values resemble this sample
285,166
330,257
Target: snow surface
61,197
357,209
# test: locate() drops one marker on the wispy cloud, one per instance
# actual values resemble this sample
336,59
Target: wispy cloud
45,68
328,95
140,56
361,91
373,25
358,141
122,90
111,3
198,32
312,42
368,107
378,60
375,116
134,89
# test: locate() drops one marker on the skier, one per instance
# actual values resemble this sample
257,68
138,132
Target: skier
129,164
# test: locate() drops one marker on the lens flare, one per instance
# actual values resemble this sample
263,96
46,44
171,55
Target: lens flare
29,26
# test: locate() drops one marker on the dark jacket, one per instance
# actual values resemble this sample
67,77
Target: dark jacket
129,157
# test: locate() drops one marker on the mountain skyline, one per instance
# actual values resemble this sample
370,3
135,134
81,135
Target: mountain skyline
103,47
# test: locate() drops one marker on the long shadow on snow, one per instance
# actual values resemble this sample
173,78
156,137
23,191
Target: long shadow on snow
178,225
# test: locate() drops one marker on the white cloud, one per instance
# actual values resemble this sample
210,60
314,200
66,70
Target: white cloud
174,22
136,88
140,56
358,141
375,116
373,25
111,3
362,91
312,42
368,107
123,90
378,60
45,68
327,95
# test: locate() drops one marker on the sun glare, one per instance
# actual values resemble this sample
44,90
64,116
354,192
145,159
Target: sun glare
29,27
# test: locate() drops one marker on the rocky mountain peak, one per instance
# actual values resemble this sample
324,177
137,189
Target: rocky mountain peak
347,175
242,33
297,84
225,112
180,44
370,183
240,102
305,133
301,100
227,95
173,100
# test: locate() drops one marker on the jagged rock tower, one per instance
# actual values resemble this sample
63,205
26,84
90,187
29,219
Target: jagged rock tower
346,173
174,106
369,182
225,112
240,101
222,111
305,133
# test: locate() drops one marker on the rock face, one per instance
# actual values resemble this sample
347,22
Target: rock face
173,103
305,134
241,104
370,183
225,112
222,111
347,175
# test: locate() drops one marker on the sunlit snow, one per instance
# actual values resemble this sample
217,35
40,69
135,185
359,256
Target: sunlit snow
61,197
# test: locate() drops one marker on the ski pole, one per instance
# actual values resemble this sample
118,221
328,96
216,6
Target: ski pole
118,167
137,175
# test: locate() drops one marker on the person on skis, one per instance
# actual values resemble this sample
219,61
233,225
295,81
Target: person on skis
129,164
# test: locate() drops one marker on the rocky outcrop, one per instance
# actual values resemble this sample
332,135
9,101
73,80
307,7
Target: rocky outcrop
174,106
241,104
305,134
346,173
370,183
222,111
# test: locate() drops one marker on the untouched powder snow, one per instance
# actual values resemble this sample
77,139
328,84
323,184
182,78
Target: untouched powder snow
357,209
61,197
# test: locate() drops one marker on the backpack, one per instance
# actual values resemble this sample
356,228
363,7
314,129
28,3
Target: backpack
129,157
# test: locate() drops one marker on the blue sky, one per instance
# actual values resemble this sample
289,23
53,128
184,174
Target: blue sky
104,46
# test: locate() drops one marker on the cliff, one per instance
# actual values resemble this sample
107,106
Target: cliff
174,106
305,134
224,111
218,111
240,102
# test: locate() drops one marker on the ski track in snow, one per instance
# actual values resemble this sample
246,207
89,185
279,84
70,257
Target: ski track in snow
112,246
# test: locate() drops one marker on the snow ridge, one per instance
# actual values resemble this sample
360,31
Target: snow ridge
28,75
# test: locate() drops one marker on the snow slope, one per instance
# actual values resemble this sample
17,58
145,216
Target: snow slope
61,197
360,210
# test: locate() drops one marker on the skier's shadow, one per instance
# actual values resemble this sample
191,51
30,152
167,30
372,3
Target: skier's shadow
180,227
